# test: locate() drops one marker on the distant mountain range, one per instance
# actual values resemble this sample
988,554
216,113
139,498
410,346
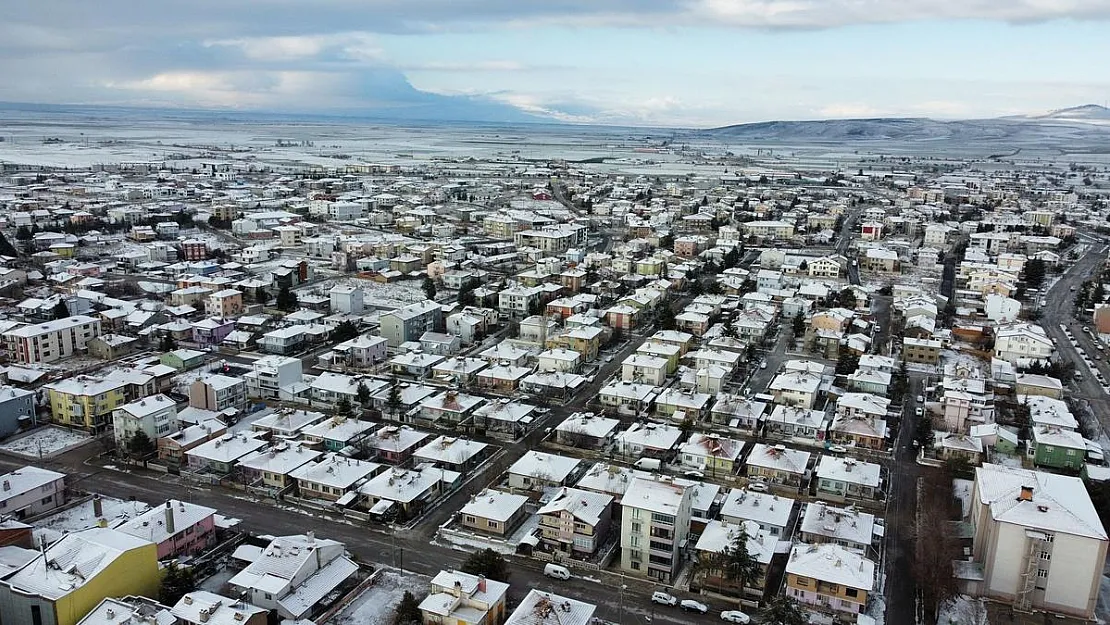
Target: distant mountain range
1077,129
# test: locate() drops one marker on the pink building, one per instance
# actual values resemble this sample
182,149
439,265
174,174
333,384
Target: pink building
178,528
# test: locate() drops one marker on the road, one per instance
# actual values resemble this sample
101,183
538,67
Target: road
370,544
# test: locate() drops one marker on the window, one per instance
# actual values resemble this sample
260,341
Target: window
636,512
1042,573
469,519
36,615
493,524
1046,556
851,592
634,541
662,518
47,499
635,567
635,528
801,581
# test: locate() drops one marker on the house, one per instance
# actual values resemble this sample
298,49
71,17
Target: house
219,456
655,521
31,491
847,527
415,364
273,468
218,393
272,377
505,419
831,577
795,388
154,416
575,521
178,528
1057,448
653,440
868,432
17,410
404,492
770,512
112,346
493,512
293,574
183,359
410,322
338,433
843,478
363,351
1023,344
681,404
73,575
131,609
503,379
559,359
537,470
212,331
547,608
449,407
286,422
796,422
717,539
1038,542
283,341
778,464
737,411
454,453
627,398
201,607
711,454
439,343
333,478
585,430
923,351
172,447
1042,385
396,444
455,597
224,304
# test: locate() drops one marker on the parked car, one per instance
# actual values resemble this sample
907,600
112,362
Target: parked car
556,571
663,598
690,605
759,487
920,399
736,616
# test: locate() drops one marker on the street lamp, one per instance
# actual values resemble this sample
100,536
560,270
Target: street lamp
620,617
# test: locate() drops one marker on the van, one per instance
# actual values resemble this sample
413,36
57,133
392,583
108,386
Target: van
648,464
556,571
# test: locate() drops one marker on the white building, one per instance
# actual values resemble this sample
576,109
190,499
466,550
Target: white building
31,491
292,574
411,322
50,341
346,299
655,522
270,374
155,416
1039,543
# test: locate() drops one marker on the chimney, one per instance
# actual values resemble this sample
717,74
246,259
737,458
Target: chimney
7,485
458,589
204,615
98,507
169,518
1026,493
481,583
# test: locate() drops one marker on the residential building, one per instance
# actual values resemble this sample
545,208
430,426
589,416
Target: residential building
653,440
711,454
85,402
717,539
455,597
404,492
201,607
224,304
778,464
218,393
1038,545
537,470
293,574
347,299
410,322
1022,344
154,416
547,608
334,478
172,448
575,521
178,528
830,577
493,512
31,491
73,575
50,341
17,410
848,478
585,430
655,521
271,376
770,512
847,527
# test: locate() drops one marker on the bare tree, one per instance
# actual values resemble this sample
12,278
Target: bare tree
935,545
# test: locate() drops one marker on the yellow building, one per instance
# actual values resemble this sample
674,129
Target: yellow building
584,340
65,583
841,587
85,402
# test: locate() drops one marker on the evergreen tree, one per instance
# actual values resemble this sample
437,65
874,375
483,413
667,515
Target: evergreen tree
167,343
1034,271
6,248
23,233
61,311
176,583
261,296
286,299
343,407
394,402
345,331
139,445
784,610
798,325
363,394
429,288
408,611
487,563
735,563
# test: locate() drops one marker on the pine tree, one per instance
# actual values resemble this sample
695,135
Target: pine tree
487,563
176,583
784,610
61,311
407,611
363,394
394,401
429,288
286,299
343,407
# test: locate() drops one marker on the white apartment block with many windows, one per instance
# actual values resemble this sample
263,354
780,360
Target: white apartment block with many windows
655,521
50,341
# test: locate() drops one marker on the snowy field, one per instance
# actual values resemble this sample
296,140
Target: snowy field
375,606
963,610
44,442
393,295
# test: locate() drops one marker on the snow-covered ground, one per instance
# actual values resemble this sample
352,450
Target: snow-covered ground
82,516
375,606
45,441
392,295
471,540
963,610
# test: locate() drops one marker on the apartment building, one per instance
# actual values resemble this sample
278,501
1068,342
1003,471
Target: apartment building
154,416
217,393
50,341
271,374
31,491
411,322
655,521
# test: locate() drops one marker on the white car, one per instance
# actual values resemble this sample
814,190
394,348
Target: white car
690,605
736,616
758,487
663,598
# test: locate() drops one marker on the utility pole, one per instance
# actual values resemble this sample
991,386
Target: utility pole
620,617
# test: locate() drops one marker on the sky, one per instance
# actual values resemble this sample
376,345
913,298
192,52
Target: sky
687,63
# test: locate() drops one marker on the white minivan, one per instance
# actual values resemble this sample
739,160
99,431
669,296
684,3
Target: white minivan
556,571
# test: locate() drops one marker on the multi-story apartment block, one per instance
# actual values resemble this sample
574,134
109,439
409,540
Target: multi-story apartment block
85,402
270,374
411,322
50,341
655,521
217,393
552,239
155,416
224,303
576,521
31,491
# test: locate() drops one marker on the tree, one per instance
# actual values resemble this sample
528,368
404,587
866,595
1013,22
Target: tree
923,433
6,248
407,611
363,394
286,299
847,363
345,331
167,343
176,583
343,407
139,445
783,610
729,330
61,311
394,402
799,325
261,296
23,234
934,551
429,288
1034,272
487,563
735,563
